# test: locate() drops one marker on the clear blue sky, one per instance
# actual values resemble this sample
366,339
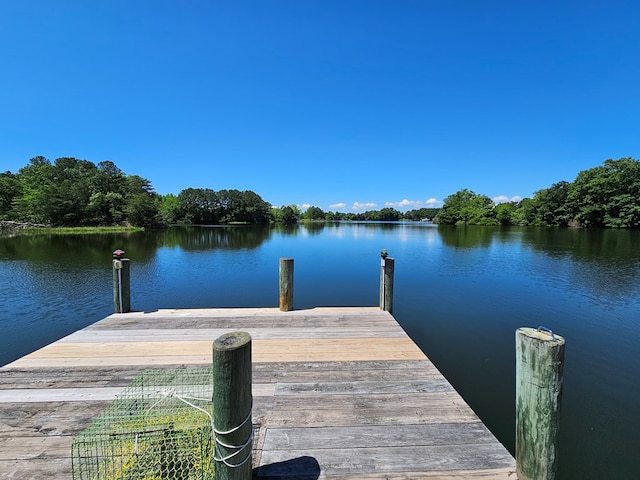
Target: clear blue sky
342,104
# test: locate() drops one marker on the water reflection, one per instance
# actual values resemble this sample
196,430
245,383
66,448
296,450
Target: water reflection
604,263
620,246
466,236
314,228
95,249
214,238
76,249
288,230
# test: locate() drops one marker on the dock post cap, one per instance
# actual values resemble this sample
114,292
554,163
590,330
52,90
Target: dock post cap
542,334
231,341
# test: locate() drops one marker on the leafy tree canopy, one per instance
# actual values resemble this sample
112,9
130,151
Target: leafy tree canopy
314,213
466,207
421,214
74,192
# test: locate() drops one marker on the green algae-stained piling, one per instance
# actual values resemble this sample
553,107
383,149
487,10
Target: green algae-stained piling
338,393
232,400
286,284
539,369
121,283
387,269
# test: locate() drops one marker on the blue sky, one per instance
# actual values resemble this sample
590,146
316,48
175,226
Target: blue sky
344,104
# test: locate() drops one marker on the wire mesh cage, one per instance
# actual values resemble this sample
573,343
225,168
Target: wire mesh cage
159,428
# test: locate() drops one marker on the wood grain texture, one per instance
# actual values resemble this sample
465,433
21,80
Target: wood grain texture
393,459
539,373
339,393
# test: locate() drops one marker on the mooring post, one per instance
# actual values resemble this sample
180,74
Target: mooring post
539,369
387,266
286,284
232,406
121,283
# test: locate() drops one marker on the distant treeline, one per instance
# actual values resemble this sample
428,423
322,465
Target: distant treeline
73,192
291,214
603,196
70,192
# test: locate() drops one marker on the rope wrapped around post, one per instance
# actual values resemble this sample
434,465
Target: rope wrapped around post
232,406
236,449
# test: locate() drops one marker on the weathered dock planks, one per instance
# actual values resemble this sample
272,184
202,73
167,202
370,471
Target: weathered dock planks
339,393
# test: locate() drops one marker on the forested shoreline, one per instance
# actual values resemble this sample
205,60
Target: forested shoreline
604,196
71,193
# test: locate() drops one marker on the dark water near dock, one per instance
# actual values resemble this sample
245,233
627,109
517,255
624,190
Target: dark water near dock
459,292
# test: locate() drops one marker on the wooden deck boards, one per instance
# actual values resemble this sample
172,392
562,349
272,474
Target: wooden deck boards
339,393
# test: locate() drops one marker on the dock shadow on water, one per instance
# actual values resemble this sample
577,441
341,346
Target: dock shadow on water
301,468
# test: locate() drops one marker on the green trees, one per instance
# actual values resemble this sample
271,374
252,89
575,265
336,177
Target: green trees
604,196
35,184
203,206
607,195
69,190
198,206
107,202
421,214
73,192
388,214
551,205
141,202
314,213
505,213
9,190
243,207
169,209
287,214
466,207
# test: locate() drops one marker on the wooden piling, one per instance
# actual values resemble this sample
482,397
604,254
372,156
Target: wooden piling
121,285
232,405
387,267
286,284
539,370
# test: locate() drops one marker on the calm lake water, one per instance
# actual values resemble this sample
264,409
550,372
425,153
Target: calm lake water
460,293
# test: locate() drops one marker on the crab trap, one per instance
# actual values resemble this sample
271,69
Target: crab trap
160,427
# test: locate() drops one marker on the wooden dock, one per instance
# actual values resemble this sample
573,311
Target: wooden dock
339,393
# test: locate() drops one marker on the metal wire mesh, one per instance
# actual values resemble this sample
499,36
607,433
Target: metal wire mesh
158,428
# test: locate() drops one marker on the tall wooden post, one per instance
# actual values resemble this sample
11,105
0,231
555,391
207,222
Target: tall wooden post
286,284
539,370
232,405
121,283
387,267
